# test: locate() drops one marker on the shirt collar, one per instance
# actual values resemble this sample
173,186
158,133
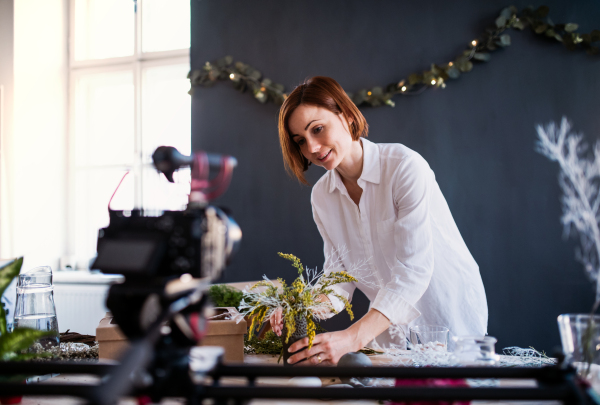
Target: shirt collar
371,167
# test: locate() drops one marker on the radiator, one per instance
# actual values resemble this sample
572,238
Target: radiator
80,299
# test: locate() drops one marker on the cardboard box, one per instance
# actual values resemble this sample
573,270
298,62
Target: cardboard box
227,333
111,341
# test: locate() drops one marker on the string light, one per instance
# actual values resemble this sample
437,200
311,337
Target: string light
403,89
474,42
369,93
433,82
232,76
263,89
451,64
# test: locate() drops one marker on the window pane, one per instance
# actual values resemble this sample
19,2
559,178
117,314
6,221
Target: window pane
165,25
104,119
166,109
158,194
93,189
104,28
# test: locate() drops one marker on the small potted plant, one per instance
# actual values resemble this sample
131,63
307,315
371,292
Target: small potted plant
13,344
301,302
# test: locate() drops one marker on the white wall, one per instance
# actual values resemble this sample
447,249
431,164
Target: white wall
36,151
6,119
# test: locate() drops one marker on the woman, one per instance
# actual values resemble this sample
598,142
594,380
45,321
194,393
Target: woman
381,202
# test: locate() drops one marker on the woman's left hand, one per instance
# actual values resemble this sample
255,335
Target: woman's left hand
326,350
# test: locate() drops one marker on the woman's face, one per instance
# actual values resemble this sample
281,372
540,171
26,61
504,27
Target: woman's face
323,137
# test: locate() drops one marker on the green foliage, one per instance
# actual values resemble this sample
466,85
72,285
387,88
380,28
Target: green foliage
7,274
246,77
13,343
225,296
269,344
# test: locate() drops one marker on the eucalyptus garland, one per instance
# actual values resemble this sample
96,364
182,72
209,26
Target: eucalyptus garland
244,77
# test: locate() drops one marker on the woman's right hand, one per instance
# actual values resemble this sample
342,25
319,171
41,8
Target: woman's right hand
277,321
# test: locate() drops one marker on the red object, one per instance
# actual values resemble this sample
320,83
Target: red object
11,400
144,400
431,382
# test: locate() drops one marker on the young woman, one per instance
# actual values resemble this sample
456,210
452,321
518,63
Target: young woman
382,202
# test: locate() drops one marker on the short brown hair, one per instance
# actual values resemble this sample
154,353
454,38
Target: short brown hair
322,92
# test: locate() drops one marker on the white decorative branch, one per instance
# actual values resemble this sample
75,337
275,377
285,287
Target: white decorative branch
579,179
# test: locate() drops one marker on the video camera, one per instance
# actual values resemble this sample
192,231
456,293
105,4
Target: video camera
166,257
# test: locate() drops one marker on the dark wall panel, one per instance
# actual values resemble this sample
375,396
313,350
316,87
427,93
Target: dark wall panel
478,135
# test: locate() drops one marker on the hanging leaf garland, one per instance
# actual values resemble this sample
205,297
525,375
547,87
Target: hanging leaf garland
245,77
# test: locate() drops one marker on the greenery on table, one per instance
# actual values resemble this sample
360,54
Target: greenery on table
223,295
245,77
13,344
299,301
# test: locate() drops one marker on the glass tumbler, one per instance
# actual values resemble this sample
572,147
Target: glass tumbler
475,350
429,337
34,307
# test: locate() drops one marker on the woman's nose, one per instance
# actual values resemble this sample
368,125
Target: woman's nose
312,145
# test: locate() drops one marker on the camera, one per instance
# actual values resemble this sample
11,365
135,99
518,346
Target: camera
172,255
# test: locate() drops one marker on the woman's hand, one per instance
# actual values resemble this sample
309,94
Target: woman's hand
326,350
277,321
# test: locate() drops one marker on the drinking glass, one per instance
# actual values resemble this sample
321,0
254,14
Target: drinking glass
433,337
580,337
475,350
34,308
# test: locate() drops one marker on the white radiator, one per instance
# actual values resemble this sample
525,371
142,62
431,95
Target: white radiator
80,299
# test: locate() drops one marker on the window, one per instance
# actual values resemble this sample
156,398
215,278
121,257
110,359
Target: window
128,94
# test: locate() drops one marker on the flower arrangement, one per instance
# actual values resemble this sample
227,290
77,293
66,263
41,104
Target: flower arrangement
300,300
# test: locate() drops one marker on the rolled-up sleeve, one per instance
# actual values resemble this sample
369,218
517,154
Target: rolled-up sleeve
345,290
410,256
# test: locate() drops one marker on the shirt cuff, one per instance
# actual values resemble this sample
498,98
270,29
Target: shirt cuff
395,308
337,303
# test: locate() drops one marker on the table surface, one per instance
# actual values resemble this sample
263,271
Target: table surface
261,359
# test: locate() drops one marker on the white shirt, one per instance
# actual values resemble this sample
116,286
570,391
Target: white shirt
418,270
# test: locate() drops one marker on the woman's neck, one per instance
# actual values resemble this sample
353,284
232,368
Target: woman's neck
350,168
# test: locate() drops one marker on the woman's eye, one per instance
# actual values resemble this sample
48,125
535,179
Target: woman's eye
300,141
318,129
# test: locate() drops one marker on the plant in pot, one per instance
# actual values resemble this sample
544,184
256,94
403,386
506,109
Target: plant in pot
13,344
302,303
579,180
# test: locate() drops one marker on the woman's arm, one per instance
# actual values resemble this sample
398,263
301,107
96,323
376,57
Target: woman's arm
329,347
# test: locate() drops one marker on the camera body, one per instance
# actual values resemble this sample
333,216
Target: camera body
198,241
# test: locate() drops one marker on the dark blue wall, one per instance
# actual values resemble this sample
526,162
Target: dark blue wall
478,135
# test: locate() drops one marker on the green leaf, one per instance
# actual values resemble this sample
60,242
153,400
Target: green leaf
570,27
20,339
506,13
504,40
484,57
518,24
228,60
541,28
8,273
501,21
453,72
415,78
377,91
266,82
550,32
542,11
593,50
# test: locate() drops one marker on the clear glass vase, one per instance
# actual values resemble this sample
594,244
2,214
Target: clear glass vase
581,344
34,307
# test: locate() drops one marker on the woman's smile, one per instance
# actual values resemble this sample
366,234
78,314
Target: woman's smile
325,156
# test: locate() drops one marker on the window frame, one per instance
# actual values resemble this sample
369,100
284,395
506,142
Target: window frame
135,63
